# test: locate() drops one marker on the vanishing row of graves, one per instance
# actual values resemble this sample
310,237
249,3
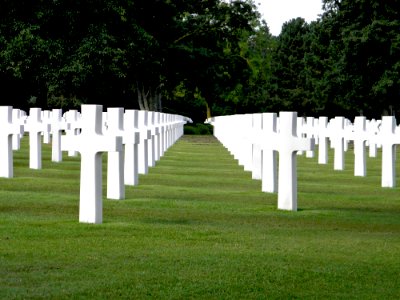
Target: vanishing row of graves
134,140
256,139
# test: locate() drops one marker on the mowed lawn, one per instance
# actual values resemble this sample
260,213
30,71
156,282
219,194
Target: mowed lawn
197,226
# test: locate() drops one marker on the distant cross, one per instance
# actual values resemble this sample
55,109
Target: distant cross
323,137
7,130
35,127
115,162
338,136
46,119
131,140
269,155
17,118
91,143
58,124
310,133
360,138
72,119
145,135
152,141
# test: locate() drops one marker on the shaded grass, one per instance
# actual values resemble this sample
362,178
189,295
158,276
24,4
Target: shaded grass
197,226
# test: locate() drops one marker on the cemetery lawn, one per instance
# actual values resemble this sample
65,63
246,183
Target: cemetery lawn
197,226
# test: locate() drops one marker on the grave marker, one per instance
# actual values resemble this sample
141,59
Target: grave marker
35,127
269,156
287,145
91,143
7,130
323,137
360,137
388,139
131,141
115,162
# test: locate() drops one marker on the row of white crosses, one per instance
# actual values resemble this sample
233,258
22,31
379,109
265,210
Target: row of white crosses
134,140
256,139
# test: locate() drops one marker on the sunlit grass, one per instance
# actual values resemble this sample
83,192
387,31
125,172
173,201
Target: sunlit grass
197,226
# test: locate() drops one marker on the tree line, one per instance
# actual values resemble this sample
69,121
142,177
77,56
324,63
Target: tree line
200,58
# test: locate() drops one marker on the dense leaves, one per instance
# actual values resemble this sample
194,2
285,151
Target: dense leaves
200,57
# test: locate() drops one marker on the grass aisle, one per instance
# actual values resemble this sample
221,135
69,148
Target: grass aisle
197,226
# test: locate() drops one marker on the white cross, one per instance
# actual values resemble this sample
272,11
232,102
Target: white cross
46,119
269,156
91,144
287,145
58,124
323,140
145,135
35,127
151,141
388,139
7,129
360,137
337,137
310,133
17,118
131,141
73,119
257,150
115,162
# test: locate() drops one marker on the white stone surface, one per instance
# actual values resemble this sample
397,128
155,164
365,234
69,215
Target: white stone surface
35,127
269,155
115,162
388,139
323,137
91,143
131,141
360,139
7,130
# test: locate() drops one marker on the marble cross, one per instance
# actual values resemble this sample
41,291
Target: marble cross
91,143
287,145
35,127
7,130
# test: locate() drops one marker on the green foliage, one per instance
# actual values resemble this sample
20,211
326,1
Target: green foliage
196,57
198,129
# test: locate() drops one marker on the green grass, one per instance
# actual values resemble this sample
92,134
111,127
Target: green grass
197,226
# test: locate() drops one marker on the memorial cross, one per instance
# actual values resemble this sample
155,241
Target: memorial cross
323,139
72,118
287,145
145,135
58,124
131,140
300,126
256,131
35,127
389,139
91,143
17,118
115,161
309,131
360,137
157,135
337,138
7,130
46,119
373,129
269,156
152,142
